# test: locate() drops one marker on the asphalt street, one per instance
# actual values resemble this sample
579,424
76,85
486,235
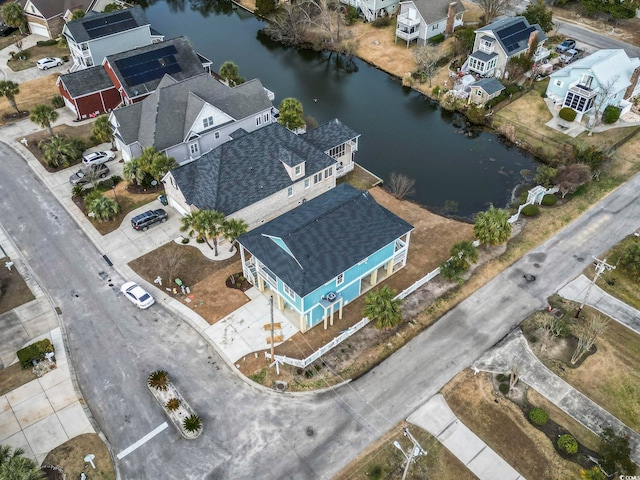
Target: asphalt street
594,39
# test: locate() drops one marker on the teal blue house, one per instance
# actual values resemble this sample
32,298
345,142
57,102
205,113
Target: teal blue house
320,256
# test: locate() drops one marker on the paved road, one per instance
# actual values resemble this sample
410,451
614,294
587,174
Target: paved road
592,38
250,434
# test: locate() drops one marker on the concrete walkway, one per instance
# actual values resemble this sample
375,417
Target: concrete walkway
436,417
514,351
602,301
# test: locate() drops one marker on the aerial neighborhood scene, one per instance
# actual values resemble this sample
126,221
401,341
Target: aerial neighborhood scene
321,239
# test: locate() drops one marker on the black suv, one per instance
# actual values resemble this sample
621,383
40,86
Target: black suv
148,218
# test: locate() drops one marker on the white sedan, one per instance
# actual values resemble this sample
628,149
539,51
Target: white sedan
138,295
96,158
49,62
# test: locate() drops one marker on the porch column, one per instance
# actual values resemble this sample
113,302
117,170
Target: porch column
324,317
374,277
340,308
331,322
389,267
280,303
303,323
242,256
260,284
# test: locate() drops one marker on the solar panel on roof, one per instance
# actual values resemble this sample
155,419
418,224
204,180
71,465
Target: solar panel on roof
516,27
118,22
149,66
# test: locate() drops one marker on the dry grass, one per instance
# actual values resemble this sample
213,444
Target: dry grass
32,93
70,457
502,425
383,460
14,376
13,290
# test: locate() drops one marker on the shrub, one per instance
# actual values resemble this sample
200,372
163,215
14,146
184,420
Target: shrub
185,240
530,210
173,404
475,115
501,377
35,351
567,444
159,380
549,200
57,101
47,43
437,39
436,91
376,472
265,7
504,388
192,423
611,114
351,15
538,416
78,191
568,114
512,88
381,22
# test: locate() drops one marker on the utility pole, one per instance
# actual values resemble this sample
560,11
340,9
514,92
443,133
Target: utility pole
416,451
601,266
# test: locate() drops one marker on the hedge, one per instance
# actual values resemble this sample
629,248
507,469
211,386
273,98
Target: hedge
568,114
530,210
47,43
538,416
611,114
35,351
437,39
549,200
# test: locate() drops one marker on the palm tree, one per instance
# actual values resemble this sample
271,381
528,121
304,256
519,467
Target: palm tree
14,16
466,251
229,72
192,423
77,14
132,172
159,380
10,89
383,308
58,151
233,228
44,115
102,132
291,114
13,466
492,227
103,208
208,224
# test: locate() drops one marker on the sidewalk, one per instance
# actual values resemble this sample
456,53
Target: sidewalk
436,417
515,351
602,301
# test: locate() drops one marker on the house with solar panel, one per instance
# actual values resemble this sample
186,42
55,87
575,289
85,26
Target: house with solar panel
317,258
502,40
259,175
97,35
186,118
127,77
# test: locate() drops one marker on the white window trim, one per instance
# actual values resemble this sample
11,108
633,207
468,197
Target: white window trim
340,279
290,191
288,291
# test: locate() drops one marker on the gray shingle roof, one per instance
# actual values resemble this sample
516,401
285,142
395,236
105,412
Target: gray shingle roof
330,134
482,56
489,85
326,235
186,61
169,112
97,25
244,171
54,8
513,33
84,82
435,10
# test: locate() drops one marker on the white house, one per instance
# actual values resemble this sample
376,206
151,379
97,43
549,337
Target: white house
372,9
422,19
47,17
606,77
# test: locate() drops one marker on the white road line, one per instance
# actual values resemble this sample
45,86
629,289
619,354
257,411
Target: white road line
142,441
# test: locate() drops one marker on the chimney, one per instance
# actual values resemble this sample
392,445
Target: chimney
451,15
533,39
634,81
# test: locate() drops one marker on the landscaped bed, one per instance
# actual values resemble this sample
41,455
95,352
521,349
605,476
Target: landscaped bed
70,458
13,289
79,131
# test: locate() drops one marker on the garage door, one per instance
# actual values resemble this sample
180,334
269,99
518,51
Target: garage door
177,206
38,29
70,105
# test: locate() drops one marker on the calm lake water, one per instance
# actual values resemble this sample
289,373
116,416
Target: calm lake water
402,131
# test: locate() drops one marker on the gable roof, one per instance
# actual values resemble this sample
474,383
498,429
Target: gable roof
330,134
97,25
608,66
513,33
490,85
325,237
54,8
247,169
141,69
164,118
435,10
84,82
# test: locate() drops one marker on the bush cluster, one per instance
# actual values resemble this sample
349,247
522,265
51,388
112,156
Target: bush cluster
382,22
549,200
35,351
538,416
611,114
568,114
436,39
530,210
47,43
567,444
57,101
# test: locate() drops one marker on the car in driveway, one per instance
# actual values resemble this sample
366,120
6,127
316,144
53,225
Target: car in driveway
5,29
148,218
49,62
89,174
96,158
568,44
137,295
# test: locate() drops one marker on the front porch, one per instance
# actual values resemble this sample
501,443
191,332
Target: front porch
408,26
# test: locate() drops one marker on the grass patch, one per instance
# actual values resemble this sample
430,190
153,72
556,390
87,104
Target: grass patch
14,376
13,289
382,460
32,93
70,457
34,54
359,178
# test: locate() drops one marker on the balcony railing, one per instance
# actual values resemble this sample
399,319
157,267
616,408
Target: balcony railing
406,35
408,19
582,90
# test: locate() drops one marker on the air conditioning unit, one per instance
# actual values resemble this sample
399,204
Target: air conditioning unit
331,296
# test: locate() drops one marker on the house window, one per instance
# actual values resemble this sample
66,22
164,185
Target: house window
207,122
298,170
328,172
265,117
317,178
577,102
435,27
479,93
258,120
338,151
558,83
307,182
216,135
340,279
585,81
287,289
193,149
290,191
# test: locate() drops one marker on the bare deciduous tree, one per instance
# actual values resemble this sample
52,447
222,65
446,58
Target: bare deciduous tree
427,58
401,185
605,93
171,260
514,377
492,8
588,334
550,326
570,177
